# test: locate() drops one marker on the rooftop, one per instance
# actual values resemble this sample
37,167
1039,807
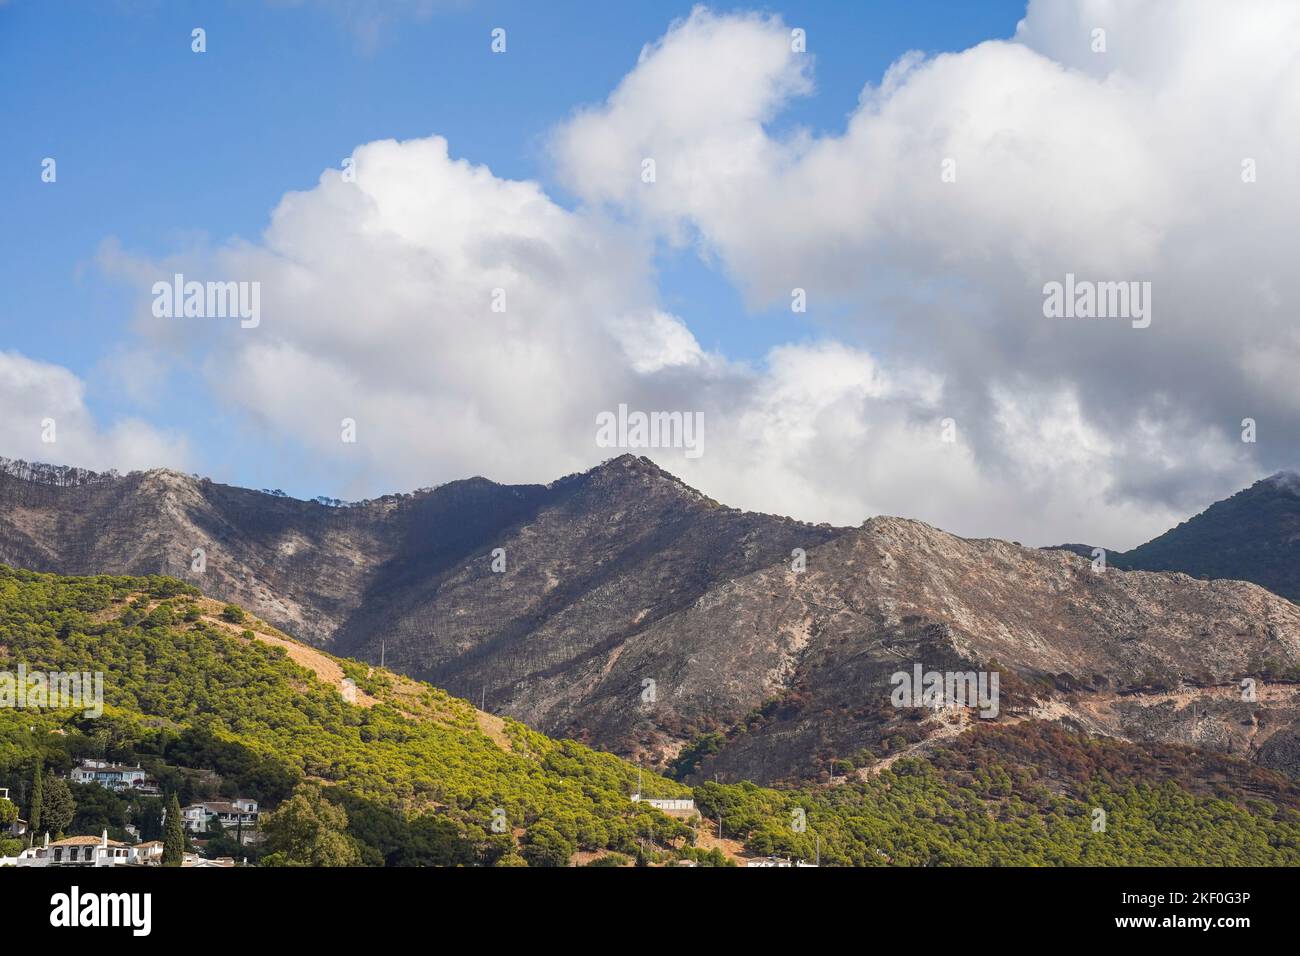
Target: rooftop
85,841
107,768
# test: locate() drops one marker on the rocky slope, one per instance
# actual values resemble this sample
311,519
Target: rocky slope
640,616
1129,654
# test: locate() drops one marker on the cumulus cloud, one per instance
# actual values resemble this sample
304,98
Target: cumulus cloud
1125,165
46,419
466,323
1119,165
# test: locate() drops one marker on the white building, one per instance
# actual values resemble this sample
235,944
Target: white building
668,806
113,776
81,851
764,861
232,815
149,853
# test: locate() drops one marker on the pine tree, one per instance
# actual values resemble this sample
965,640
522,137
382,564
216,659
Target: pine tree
174,838
58,807
309,830
34,817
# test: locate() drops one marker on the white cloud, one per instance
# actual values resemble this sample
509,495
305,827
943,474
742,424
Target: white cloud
1117,166
48,401
377,294
378,305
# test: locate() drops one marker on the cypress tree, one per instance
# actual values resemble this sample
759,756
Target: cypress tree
174,835
34,817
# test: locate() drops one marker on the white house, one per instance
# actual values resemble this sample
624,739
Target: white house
79,851
668,806
113,776
232,815
149,853
765,861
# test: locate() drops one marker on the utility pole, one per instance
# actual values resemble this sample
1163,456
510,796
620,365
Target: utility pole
382,648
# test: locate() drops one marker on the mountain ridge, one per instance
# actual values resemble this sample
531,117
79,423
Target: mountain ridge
623,608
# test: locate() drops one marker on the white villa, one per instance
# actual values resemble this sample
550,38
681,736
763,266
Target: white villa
113,776
149,853
668,806
766,861
79,851
232,815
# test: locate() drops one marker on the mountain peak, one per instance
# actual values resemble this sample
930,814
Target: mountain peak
628,462
1287,481
1253,535
636,469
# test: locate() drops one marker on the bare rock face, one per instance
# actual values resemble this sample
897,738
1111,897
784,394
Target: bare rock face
815,652
630,611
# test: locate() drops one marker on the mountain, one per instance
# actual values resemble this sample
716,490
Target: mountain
1252,536
589,559
622,539
793,670
637,615
206,696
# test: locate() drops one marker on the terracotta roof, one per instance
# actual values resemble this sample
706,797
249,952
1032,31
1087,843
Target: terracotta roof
85,841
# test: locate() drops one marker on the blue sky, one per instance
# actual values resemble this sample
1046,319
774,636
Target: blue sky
1119,160
157,146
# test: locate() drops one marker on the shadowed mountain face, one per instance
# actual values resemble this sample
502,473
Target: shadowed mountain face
587,560
1253,536
630,611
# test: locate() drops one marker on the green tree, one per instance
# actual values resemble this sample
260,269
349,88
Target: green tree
149,818
233,613
220,843
546,846
35,816
161,616
8,812
308,830
58,806
174,835
97,809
